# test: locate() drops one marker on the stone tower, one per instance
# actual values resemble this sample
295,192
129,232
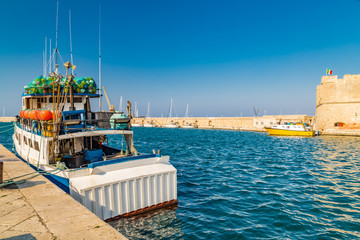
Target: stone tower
338,105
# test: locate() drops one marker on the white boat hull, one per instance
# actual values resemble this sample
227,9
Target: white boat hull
110,188
171,126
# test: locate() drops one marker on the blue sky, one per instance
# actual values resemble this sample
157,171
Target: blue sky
221,57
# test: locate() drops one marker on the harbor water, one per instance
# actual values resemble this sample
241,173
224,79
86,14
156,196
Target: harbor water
247,185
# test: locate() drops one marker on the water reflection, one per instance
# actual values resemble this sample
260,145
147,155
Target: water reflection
336,187
161,224
243,185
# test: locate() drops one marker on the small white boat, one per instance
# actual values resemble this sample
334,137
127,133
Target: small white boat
149,125
171,126
291,130
136,125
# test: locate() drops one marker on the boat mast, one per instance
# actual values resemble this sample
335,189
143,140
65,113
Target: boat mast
56,37
71,53
44,63
99,59
45,58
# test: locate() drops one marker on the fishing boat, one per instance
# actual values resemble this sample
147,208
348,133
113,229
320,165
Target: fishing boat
290,130
59,135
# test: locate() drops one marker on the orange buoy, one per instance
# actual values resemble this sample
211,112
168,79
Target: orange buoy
45,115
22,113
32,115
26,113
37,114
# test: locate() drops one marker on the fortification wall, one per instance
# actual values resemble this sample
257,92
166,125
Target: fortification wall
338,105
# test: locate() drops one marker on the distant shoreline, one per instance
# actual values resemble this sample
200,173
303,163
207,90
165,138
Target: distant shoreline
7,119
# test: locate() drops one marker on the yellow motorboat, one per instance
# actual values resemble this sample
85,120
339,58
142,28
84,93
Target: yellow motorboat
290,130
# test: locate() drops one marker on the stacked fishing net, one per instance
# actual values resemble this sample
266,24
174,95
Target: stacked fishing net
84,85
41,85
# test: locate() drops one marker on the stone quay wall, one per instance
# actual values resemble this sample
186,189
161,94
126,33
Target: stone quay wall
233,123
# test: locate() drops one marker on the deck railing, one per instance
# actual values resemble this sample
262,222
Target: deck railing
49,128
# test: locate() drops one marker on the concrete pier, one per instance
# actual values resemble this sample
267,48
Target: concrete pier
38,209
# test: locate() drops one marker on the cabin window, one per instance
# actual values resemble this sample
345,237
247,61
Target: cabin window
73,117
27,103
287,126
39,102
17,137
262,123
30,143
36,146
257,123
338,124
271,123
25,141
77,100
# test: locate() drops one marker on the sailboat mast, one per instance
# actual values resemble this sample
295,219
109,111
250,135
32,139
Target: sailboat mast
136,110
187,111
121,105
171,103
148,110
99,60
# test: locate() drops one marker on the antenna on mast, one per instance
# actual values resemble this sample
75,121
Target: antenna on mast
71,55
44,63
50,57
45,58
56,49
99,59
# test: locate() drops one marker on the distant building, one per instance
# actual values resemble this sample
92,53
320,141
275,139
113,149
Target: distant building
338,105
